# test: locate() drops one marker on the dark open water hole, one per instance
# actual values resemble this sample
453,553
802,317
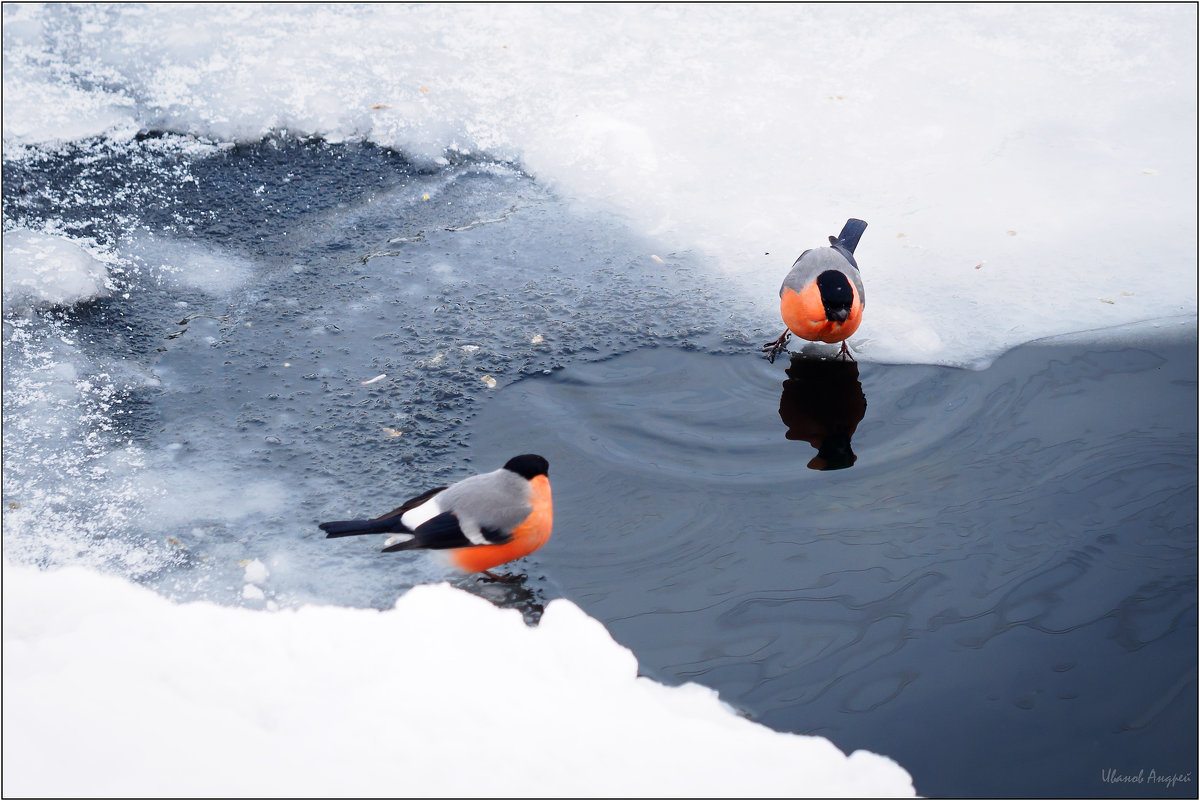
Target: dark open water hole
1000,593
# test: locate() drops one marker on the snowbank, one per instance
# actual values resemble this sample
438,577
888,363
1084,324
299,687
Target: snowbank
1026,170
444,695
46,270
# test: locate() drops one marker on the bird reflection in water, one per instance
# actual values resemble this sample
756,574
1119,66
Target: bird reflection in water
517,594
823,403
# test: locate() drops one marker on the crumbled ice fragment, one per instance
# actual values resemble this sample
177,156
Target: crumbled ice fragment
392,432
438,359
256,572
287,364
42,270
657,259
379,377
252,593
537,339
470,348
489,382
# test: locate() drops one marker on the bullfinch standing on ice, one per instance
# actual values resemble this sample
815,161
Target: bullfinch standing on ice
822,298
482,521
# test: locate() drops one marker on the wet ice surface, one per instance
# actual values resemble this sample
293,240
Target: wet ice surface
261,292
1000,593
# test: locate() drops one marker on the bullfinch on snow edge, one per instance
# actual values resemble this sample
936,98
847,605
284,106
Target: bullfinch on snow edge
482,521
822,297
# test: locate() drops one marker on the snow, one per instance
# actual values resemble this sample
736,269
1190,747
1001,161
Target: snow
1026,170
444,695
42,270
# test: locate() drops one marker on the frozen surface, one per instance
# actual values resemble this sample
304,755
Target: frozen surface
42,270
1026,170
310,351
441,696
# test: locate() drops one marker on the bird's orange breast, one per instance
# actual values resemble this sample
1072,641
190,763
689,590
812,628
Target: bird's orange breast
531,534
804,315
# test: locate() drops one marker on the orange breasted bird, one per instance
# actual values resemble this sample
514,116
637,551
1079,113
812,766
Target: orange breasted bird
822,298
482,521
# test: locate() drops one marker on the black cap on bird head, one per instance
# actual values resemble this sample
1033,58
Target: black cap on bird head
528,465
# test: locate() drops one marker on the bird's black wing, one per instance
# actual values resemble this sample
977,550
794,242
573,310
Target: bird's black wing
444,531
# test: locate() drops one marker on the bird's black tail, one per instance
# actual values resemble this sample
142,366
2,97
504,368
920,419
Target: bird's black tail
349,528
852,231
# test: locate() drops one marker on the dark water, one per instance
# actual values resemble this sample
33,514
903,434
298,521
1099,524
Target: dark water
1000,593
996,586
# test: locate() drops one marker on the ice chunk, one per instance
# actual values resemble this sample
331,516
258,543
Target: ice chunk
256,572
45,270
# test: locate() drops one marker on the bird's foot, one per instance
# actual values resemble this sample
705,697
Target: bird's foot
503,578
845,352
775,347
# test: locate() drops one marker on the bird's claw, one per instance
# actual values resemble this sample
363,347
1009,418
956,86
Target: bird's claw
503,578
775,347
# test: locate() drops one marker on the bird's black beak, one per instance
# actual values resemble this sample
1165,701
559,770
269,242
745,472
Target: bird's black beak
836,315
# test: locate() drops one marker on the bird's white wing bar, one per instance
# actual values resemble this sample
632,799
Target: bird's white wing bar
418,515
